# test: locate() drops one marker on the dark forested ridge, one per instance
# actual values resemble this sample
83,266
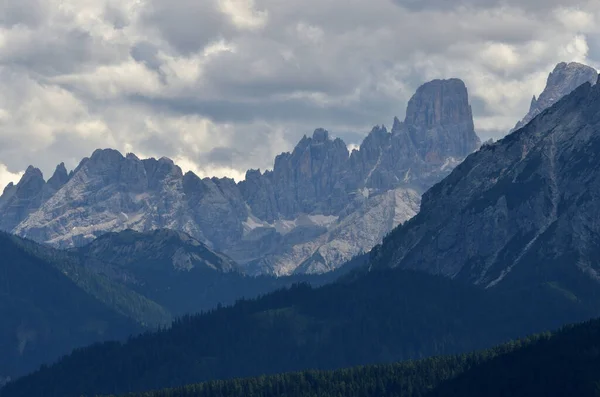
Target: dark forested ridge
52,301
381,317
45,313
566,363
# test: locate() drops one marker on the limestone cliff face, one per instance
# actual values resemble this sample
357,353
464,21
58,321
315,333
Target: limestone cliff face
303,181
440,121
521,210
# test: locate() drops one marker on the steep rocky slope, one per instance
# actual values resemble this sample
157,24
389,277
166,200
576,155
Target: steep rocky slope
518,213
156,248
319,206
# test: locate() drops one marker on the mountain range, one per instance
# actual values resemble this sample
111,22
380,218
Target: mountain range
316,209
319,206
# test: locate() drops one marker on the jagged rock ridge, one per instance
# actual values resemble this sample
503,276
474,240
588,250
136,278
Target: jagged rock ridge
18,201
562,81
316,209
521,211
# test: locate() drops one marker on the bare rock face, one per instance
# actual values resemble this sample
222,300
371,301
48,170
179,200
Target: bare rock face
58,179
521,211
303,181
440,121
319,206
562,81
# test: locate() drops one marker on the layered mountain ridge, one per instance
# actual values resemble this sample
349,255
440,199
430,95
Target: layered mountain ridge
319,206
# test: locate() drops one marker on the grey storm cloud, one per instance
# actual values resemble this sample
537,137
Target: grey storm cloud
116,17
187,25
24,12
221,86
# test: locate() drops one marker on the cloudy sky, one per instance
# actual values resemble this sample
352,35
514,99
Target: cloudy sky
224,85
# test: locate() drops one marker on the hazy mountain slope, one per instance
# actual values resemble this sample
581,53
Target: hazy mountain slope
176,271
518,213
381,317
45,314
319,206
155,249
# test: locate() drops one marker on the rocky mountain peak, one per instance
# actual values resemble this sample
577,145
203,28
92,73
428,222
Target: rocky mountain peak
533,102
163,168
32,182
20,200
565,78
376,140
106,155
320,135
439,102
397,125
31,173
8,188
440,121
59,178
7,194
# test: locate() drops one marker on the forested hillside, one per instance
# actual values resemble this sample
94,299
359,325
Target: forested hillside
566,363
383,317
52,301
45,313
